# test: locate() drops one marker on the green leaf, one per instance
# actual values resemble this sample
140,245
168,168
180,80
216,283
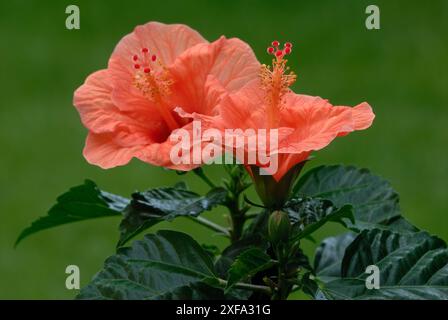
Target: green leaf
230,253
412,266
374,201
82,202
164,204
168,264
329,255
258,226
307,215
246,265
310,286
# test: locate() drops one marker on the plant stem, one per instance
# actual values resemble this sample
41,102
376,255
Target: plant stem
248,286
238,218
283,286
200,173
211,225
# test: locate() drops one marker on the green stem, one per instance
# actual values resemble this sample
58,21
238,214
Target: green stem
200,173
248,286
237,217
211,225
283,285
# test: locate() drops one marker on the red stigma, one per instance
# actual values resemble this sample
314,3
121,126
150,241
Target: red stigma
275,43
145,50
147,70
270,50
287,50
279,53
153,58
288,45
135,58
136,66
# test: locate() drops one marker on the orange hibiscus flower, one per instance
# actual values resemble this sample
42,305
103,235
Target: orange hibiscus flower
128,108
304,123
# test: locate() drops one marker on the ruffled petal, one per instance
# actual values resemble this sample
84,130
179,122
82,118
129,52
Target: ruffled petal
317,122
227,64
108,150
100,115
362,116
167,42
92,100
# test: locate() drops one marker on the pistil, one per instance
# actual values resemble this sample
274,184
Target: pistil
275,81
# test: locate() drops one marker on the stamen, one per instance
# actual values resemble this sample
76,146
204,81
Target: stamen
154,83
275,81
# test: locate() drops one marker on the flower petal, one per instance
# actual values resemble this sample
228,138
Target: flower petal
167,42
107,151
99,114
317,122
227,64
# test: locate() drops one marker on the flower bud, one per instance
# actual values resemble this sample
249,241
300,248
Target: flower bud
278,227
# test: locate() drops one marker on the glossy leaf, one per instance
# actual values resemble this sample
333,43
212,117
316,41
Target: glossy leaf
246,265
230,253
82,202
164,204
412,266
168,264
310,286
375,203
329,255
308,215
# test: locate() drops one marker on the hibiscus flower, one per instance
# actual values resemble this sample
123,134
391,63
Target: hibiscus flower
128,108
304,123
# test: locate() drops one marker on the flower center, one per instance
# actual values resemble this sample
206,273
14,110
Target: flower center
275,81
154,85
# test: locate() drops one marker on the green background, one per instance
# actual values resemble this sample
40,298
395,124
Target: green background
400,70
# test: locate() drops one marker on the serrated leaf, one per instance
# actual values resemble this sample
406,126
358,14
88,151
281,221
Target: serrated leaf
308,215
168,264
412,266
230,253
311,287
164,204
329,255
246,265
82,202
374,201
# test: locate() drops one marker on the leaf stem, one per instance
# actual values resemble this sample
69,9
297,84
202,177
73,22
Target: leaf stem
248,286
200,173
211,225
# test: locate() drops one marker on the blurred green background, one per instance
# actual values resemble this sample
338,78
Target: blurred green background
401,70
